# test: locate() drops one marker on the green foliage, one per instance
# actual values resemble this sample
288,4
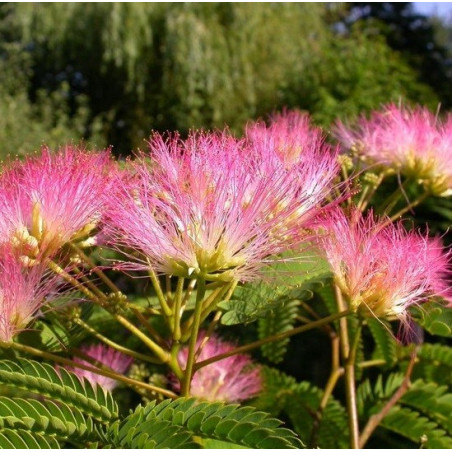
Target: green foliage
279,320
23,439
435,363
355,73
368,395
300,402
435,318
24,125
293,279
417,428
175,423
47,418
431,400
421,415
384,340
62,386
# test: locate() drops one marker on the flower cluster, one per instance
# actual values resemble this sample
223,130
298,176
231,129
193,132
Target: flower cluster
215,207
46,202
383,269
232,379
106,356
412,141
52,199
22,293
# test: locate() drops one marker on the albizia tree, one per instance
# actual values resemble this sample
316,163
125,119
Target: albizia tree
274,228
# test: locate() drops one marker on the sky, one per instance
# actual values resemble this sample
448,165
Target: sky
437,8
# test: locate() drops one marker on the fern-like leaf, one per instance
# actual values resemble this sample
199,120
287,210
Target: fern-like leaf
435,363
183,419
384,340
371,397
300,401
417,428
254,301
23,439
62,386
277,321
431,400
47,418
434,317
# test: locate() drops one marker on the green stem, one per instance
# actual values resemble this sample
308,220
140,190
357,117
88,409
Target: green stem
276,337
369,192
177,309
224,295
67,362
162,354
350,392
391,200
161,297
188,373
187,326
375,419
156,349
112,344
372,363
108,282
153,333
91,286
410,206
65,275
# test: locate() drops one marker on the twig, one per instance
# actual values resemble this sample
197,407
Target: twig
375,420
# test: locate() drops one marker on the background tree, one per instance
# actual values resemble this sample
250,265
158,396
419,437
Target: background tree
135,67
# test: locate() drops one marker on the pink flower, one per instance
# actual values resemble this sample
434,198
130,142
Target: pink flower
107,356
22,294
49,200
412,141
290,133
232,379
214,207
383,269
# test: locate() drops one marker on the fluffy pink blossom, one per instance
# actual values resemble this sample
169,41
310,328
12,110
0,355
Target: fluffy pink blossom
107,356
232,379
412,141
383,269
51,199
215,207
22,294
290,133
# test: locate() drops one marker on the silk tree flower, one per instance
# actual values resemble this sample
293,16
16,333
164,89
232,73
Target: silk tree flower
383,270
215,207
232,379
290,133
52,199
107,356
23,292
413,142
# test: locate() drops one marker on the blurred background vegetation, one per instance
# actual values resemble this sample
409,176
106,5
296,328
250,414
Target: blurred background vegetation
109,73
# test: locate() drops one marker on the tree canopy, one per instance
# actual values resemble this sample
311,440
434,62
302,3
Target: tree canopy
112,72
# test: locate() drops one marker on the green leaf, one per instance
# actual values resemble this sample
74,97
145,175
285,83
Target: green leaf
370,397
277,321
435,318
435,363
183,419
384,340
431,400
293,279
48,418
43,379
300,401
417,428
23,439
